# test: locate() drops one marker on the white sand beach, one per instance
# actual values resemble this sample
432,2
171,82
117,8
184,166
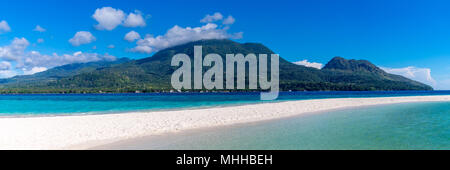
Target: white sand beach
86,131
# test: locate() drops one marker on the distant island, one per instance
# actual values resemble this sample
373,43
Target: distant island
153,74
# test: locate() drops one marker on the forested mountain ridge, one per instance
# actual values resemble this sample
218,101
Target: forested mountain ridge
154,73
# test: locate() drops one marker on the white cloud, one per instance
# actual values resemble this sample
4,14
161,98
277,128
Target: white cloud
33,70
134,20
212,18
306,63
14,50
178,35
419,74
4,27
229,20
108,18
4,65
132,36
82,37
217,17
111,46
7,73
39,29
40,40
34,61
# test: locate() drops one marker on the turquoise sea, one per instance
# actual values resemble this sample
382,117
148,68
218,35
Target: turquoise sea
57,104
388,127
397,126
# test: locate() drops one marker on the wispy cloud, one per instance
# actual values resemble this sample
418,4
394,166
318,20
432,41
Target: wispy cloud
306,63
15,59
4,65
212,18
33,70
7,73
218,17
419,74
229,20
38,28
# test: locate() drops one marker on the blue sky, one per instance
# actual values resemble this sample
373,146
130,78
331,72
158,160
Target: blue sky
411,38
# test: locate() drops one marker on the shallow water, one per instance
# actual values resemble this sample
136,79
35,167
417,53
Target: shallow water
54,104
395,126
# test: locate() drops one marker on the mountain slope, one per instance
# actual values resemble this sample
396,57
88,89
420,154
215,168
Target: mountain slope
59,72
154,73
339,63
363,72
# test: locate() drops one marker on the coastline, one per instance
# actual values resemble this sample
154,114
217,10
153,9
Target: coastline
87,131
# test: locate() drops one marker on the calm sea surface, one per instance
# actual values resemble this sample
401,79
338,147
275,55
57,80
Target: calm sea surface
54,104
397,126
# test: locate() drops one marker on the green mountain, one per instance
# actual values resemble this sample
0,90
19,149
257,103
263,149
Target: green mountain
368,76
339,63
154,73
56,73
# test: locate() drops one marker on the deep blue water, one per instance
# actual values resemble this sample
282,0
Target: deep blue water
52,104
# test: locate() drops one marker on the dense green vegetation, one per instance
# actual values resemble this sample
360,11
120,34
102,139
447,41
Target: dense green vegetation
153,74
